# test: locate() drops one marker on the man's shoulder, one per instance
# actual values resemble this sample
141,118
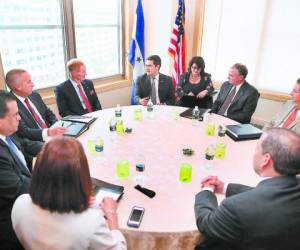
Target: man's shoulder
166,77
63,85
250,87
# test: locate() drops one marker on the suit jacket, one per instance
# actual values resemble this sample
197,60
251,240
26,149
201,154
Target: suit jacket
165,89
68,101
243,104
14,181
40,229
28,128
265,217
281,116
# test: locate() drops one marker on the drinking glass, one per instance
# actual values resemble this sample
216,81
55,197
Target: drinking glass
185,174
210,129
220,150
138,115
123,169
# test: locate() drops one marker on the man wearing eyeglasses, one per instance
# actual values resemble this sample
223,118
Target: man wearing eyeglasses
289,116
154,85
15,168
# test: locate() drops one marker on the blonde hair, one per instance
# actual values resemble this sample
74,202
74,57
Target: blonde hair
74,64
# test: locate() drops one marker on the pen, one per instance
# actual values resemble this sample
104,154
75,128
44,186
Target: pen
62,124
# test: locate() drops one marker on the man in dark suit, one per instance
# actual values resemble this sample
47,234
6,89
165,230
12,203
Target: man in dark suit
154,85
264,217
77,95
237,99
36,117
14,169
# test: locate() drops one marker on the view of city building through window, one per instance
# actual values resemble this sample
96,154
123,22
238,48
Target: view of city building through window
32,37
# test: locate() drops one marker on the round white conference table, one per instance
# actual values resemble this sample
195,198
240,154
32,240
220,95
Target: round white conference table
169,220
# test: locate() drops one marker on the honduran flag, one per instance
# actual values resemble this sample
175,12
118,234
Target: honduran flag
136,54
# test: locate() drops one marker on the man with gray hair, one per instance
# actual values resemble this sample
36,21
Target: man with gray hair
264,217
237,99
36,117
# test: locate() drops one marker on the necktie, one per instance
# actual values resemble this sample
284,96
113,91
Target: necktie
292,117
36,117
84,98
16,152
227,102
153,90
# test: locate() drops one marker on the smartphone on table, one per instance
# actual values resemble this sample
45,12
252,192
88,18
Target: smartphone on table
135,217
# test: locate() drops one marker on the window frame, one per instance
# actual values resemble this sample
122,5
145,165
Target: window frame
104,83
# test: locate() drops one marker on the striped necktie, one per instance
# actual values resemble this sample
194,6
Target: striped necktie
291,118
84,98
36,117
153,90
227,101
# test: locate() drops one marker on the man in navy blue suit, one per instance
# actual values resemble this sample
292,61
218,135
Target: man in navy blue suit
76,96
36,117
15,159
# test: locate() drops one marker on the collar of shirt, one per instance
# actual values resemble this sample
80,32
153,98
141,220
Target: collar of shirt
44,131
3,137
75,84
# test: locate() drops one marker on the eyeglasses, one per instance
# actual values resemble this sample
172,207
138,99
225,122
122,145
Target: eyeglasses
195,68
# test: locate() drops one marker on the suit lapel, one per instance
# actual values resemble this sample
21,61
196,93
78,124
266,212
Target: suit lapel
287,111
73,93
160,87
240,93
26,114
20,165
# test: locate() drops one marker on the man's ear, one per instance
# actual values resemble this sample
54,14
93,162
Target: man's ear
266,161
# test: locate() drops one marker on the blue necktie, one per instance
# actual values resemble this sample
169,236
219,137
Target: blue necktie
15,151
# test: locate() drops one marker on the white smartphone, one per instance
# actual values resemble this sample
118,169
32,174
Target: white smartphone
135,217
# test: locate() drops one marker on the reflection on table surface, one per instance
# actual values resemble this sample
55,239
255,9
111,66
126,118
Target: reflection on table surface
169,221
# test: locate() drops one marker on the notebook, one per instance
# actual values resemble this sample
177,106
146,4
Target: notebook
189,113
241,132
103,189
76,125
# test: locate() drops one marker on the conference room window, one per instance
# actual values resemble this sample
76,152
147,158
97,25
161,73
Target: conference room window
31,37
35,35
264,35
98,36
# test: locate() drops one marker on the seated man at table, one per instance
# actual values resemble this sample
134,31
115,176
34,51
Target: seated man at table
237,99
264,217
154,85
76,96
15,158
36,117
289,116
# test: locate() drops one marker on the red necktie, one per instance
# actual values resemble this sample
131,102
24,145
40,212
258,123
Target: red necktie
84,98
292,117
36,117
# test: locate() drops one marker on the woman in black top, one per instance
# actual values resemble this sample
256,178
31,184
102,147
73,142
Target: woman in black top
195,87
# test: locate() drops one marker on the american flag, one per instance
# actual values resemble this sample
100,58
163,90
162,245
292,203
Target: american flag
177,43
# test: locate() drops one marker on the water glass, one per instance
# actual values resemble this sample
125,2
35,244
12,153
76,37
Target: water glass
138,115
220,150
123,169
221,130
120,127
185,174
210,129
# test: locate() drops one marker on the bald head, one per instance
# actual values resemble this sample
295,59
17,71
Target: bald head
284,147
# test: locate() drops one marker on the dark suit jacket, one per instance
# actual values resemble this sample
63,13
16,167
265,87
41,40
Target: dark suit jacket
165,89
243,104
265,217
14,181
68,101
28,128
